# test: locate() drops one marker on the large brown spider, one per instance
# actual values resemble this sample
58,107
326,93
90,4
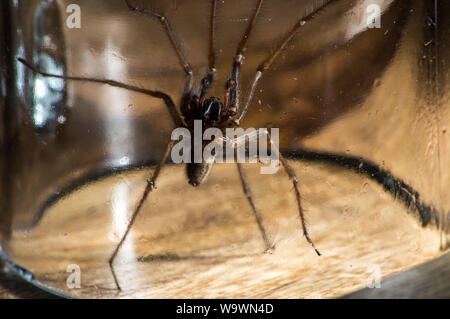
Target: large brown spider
195,105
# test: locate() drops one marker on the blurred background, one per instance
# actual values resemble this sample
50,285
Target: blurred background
75,156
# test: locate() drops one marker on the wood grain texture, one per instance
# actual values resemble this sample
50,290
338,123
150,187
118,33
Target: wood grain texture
205,250
429,280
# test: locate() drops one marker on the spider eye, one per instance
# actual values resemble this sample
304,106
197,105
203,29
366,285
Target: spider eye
212,109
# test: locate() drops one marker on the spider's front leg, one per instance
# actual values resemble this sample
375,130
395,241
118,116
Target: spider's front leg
208,79
232,85
172,38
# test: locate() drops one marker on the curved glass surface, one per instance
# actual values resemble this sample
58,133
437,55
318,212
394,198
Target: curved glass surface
363,118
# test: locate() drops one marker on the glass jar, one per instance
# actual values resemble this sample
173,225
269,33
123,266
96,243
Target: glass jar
363,116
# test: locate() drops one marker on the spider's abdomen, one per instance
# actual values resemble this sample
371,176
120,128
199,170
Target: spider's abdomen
197,173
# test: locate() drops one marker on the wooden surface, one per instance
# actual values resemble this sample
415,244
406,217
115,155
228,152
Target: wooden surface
202,249
429,280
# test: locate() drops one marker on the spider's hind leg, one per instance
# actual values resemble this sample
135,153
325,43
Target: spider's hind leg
240,143
249,195
295,182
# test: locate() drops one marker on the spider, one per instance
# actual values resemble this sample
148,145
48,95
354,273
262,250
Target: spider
195,105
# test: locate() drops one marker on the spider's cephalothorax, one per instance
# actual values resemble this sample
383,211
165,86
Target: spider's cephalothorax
211,111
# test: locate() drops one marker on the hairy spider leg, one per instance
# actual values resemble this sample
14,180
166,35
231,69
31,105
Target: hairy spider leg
295,182
232,85
151,182
265,65
156,94
256,213
208,79
171,35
